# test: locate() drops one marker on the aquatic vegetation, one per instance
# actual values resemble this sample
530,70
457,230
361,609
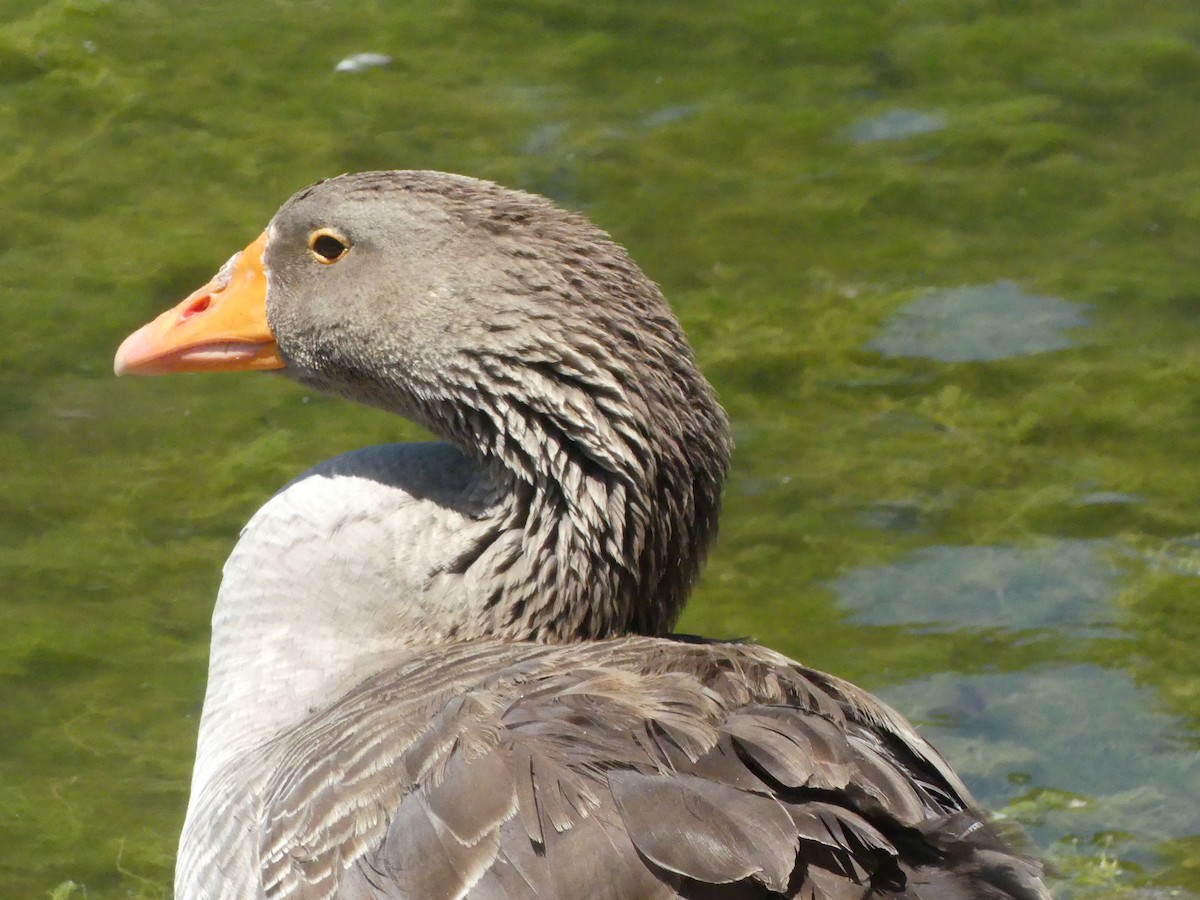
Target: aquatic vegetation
145,139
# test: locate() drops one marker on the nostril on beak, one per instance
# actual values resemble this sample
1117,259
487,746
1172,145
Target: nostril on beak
199,305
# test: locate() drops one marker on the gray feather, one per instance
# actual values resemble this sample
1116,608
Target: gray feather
706,831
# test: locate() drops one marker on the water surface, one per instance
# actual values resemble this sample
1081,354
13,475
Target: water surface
1002,544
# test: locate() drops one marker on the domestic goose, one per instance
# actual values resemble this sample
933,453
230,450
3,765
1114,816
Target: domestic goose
447,670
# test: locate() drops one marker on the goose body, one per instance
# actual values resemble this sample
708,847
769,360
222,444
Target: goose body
446,670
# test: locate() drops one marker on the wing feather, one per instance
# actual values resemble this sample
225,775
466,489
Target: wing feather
632,769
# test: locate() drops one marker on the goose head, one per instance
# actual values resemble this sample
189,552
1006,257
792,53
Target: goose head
512,329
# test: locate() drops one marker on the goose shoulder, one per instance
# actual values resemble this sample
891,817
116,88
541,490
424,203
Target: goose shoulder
631,768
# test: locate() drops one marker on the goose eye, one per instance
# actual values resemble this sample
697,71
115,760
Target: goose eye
327,246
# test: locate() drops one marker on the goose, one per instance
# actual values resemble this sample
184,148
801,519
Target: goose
446,670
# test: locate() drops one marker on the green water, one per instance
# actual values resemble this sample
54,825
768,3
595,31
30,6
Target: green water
984,506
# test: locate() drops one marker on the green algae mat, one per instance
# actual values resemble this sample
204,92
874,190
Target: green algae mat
939,257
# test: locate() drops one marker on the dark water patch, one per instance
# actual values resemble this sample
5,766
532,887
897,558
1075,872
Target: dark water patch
17,65
15,397
1092,515
668,115
767,373
1063,585
1109,498
898,383
545,140
903,422
53,666
894,125
895,515
753,486
554,138
977,323
1080,750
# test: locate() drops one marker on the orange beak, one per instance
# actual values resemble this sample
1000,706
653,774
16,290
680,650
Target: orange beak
222,327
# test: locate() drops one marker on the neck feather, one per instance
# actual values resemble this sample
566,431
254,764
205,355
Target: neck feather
615,492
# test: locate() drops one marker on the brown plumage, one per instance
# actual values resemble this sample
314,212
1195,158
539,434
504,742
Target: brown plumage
446,671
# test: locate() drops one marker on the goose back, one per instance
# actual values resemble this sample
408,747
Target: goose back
629,768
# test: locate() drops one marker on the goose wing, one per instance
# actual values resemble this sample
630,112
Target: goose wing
634,768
